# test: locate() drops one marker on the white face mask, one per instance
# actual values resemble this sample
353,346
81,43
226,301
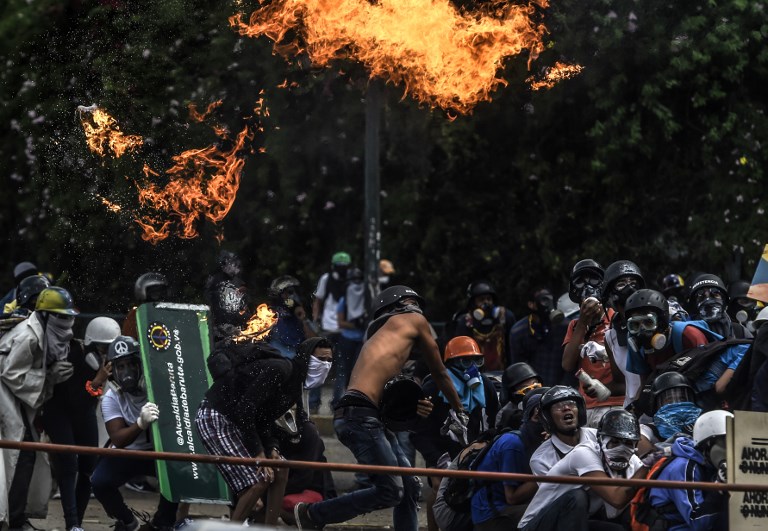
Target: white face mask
618,457
317,372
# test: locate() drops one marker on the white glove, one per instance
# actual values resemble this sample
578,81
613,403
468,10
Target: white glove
455,427
60,371
149,414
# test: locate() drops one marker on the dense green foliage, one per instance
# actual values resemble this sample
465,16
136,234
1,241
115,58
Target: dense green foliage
654,153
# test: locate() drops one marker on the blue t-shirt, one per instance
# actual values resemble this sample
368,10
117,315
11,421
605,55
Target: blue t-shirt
348,333
729,359
506,455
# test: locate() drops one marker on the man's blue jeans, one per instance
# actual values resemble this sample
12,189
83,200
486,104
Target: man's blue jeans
372,444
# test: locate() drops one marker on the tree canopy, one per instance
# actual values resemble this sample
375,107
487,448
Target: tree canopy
653,153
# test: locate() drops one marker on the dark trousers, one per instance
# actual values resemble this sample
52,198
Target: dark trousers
22,477
72,471
505,521
112,473
569,512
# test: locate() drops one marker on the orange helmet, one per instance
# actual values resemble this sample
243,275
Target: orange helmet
461,346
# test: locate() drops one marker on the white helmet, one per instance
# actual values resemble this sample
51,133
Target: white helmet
710,424
761,318
102,330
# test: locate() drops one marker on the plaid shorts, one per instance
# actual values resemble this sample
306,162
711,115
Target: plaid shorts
221,437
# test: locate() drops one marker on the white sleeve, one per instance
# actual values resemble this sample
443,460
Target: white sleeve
110,408
322,285
584,459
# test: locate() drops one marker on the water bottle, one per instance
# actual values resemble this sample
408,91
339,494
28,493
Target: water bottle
603,393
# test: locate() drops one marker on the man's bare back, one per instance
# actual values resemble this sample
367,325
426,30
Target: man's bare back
385,353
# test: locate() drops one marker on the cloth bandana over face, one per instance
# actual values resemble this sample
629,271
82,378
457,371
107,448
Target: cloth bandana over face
56,337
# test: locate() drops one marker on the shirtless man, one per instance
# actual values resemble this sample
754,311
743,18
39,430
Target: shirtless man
398,327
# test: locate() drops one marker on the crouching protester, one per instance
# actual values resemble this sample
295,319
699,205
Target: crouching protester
127,417
516,381
253,387
398,327
563,415
565,507
499,506
699,459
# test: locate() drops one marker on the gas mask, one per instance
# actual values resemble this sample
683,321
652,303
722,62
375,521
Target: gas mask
642,331
619,296
339,272
717,456
618,457
288,425
128,375
710,309
587,286
317,372
486,314
743,310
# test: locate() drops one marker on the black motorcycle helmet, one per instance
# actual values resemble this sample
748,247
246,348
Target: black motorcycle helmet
480,287
150,287
619,423
706,280
672,284
584,266
670,387
393,295
618,269
649,300
29,288
560,393
516,374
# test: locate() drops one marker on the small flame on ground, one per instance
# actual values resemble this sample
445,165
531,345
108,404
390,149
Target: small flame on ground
258,325
102,133
443,57
554,75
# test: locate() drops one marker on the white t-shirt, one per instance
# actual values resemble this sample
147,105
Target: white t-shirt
116,404
553,450
620,353
584,458
329,320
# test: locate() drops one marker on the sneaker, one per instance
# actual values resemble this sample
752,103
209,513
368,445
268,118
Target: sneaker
129,526
75,528
181,525
303,520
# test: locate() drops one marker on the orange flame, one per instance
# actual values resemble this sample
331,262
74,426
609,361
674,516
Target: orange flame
204,183
197,116
444,57
554,75
102,133
259,324
112,207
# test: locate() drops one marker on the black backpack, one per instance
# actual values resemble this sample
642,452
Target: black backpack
459,491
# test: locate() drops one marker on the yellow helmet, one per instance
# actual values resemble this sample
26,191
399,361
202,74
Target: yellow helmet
56,300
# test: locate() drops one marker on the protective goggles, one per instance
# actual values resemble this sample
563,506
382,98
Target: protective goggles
642,323
580,282
708,293
466,362
675,395
560,406
527,388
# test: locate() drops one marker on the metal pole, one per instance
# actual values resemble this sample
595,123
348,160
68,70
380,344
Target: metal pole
372,213
375,469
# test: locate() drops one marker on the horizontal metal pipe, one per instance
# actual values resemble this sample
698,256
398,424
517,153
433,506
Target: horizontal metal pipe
374,469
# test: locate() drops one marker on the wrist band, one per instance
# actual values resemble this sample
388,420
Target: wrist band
91,391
